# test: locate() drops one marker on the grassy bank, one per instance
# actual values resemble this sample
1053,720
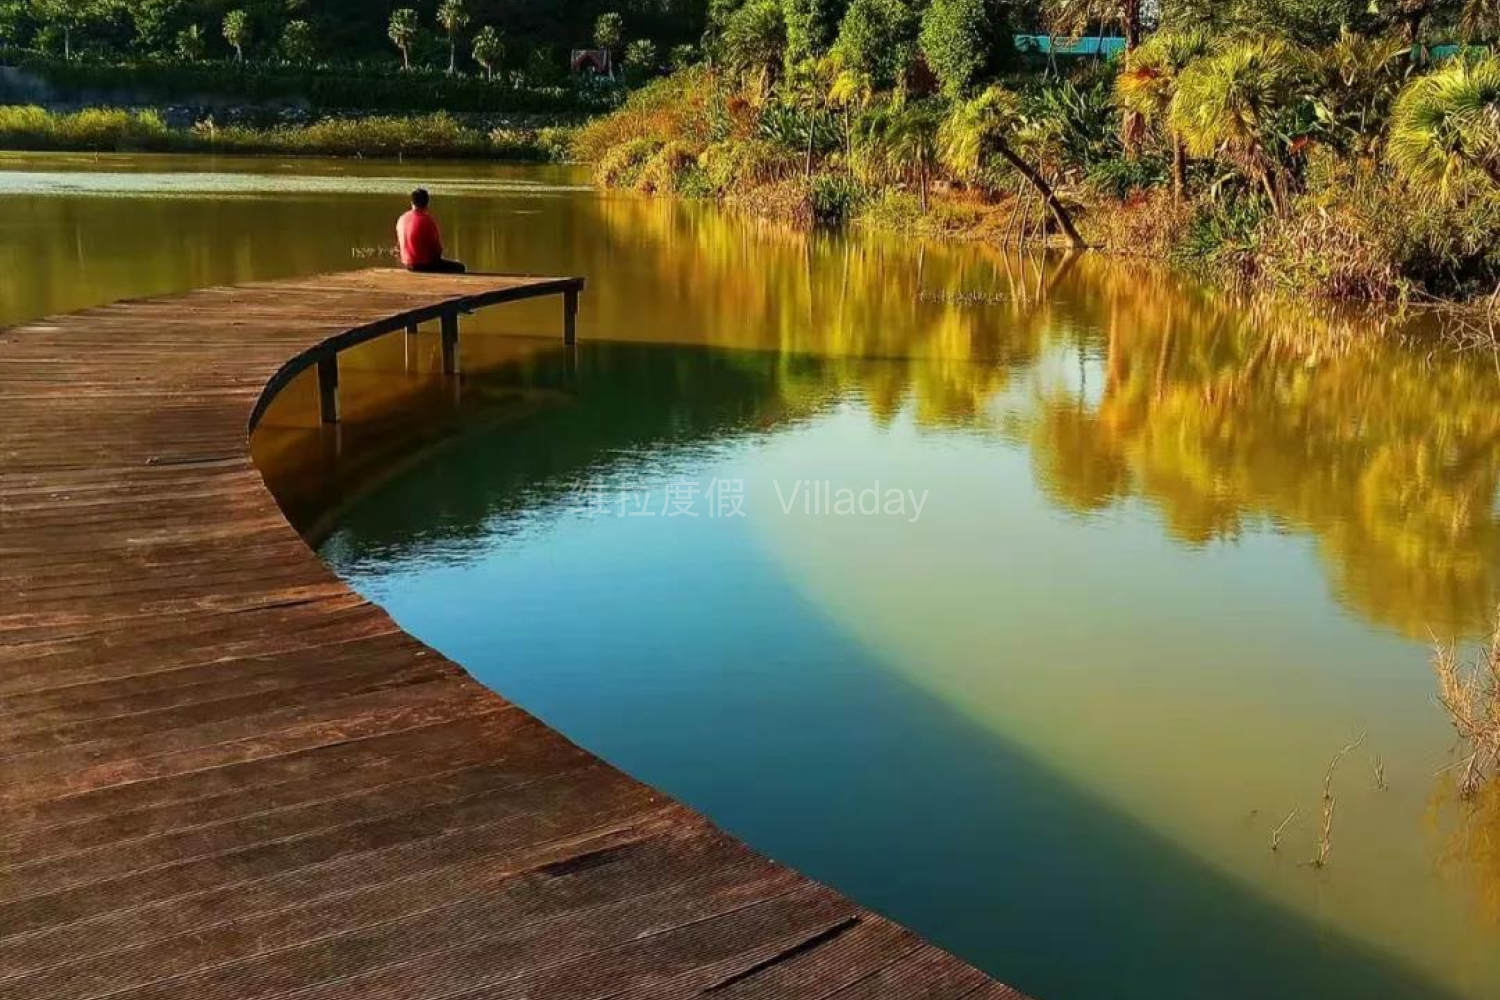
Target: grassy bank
1347,170
436,135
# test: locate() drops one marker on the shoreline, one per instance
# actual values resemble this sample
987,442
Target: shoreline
439,135
890,209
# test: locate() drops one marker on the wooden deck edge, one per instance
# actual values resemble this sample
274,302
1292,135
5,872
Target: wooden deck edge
226,775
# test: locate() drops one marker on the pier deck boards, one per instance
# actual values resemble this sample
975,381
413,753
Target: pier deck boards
225,775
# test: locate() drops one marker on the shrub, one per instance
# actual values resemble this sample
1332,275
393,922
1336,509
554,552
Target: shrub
621,166
1118,176
663,172
746,164
788,125
90,129
99,129
676,107
555,142
1222,235
1149,223
835,198
1355,234
787,201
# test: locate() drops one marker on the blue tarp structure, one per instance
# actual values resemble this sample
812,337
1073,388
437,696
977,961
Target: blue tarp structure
1092,45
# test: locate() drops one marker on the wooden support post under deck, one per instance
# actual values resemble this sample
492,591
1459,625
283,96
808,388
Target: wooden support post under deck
328,388
411,329
570,316
450,343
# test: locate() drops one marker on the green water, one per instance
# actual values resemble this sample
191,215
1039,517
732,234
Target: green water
1144,557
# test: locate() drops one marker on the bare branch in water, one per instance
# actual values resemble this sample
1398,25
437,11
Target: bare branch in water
1325,840
1276,833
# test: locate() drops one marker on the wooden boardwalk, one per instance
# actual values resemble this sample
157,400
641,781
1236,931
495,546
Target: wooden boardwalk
225,775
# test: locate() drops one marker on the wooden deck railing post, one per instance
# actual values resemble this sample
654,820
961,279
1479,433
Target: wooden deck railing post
450,343
328,388
570,316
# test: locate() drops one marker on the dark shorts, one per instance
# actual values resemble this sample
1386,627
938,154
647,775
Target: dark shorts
440,266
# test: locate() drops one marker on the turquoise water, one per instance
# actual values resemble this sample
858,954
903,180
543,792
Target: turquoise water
870,698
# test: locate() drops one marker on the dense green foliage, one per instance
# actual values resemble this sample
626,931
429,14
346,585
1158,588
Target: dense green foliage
343,30
878,40
367,87
1245,136
966,42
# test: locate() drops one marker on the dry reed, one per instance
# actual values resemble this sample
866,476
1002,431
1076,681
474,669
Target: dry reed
1471,697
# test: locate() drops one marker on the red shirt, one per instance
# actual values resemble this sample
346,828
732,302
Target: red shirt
418,238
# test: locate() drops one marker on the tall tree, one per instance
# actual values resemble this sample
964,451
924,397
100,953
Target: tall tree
1148,83
966,42
609,32
878,38
67,16
1229,105
190,43
1481,19
453,15
488,49
811,26
753,41
402,30
1075,18
237,32
297,41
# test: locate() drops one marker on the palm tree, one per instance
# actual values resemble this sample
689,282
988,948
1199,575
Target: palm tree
237,32
1227,106
609,32
402,30
1148,84
488,49
900,142
454,17
851,91
1446,125
983,127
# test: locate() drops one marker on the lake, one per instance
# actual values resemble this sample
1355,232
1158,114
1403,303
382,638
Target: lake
1021,598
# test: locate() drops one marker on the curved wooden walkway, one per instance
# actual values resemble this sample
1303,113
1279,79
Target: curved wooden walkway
225,775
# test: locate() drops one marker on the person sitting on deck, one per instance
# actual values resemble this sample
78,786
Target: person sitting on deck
420,242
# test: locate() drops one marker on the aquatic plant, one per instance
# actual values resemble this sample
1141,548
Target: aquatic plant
1471,697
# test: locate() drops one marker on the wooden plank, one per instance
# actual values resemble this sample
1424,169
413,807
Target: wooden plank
224,774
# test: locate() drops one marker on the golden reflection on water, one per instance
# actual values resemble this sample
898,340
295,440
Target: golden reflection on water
1466,842
1216,409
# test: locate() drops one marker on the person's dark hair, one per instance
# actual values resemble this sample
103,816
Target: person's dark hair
419,198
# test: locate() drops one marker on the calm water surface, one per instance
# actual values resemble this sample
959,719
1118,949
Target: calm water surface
1135,559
